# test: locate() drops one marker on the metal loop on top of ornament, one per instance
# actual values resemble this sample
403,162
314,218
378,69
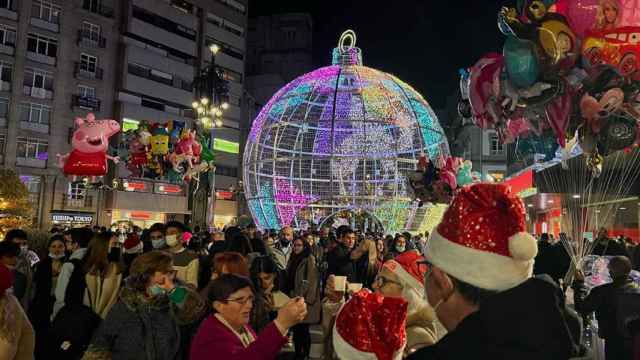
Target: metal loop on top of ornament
345,54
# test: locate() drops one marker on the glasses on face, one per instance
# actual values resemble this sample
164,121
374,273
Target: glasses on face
242,301
381,281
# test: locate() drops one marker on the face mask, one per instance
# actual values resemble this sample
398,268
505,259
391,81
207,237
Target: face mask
285,242
56,257
157,244
400,248
24,249
156,290
172,240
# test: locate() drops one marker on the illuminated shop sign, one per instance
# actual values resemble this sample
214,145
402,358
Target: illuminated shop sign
72,218
226,146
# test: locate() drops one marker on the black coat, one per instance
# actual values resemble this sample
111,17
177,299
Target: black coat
340,263
611,248
42,305
527,322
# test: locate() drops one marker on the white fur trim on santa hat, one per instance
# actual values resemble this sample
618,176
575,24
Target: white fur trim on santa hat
404,275
345,351
482,269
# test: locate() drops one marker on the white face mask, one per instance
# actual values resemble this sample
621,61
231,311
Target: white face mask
400,248
172,240
56,257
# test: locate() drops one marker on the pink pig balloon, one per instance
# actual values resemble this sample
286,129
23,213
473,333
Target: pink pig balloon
90,143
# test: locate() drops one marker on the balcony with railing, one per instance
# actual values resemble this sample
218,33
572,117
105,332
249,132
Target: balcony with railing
85,102
97,8
37,92
83,73
45,24
8,49
90,39
45,59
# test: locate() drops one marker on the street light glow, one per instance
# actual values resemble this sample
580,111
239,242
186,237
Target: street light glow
219,113
219,123
225,105
204,101
195,104
214,48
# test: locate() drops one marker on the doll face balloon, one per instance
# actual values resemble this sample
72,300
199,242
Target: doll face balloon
93,135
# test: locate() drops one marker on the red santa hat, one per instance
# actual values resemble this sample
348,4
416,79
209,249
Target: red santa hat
482,239
408,268
132,244
369,327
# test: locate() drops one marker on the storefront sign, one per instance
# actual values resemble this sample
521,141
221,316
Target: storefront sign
167,189
72,218
140,215
138,186
226,146
522,184
224,195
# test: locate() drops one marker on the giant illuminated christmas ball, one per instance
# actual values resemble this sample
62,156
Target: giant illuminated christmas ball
342,137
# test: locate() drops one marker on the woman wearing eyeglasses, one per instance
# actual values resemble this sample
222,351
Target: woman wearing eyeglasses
152,309
226,333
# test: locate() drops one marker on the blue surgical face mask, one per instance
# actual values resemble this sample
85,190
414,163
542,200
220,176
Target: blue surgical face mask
156,290
159,243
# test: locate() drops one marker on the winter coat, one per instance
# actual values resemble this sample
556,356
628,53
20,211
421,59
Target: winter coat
186,264
63,280
602,301
611,248
340,263
281,254
525,323
421,329
22,345
214,340
102,291
308,271
24,266
142,328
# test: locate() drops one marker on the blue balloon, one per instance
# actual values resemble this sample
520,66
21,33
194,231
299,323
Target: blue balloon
521,62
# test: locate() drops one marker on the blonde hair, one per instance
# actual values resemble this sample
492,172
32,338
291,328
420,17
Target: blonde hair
8,313
601,19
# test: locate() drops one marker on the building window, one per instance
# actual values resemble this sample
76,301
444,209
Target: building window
91,31
7,36
47,11
32,148
35,113
4,108
3,142
183,6
225,24
88,63
163,23
231,75
77,190
5,71
496,145
42,45
235,5
33,186
86,91
6,4
39,79
226,48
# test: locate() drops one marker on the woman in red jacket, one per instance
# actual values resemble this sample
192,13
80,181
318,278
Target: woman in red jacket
226,334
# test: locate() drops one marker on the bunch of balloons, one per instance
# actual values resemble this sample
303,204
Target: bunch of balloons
167,152
437,182
569,71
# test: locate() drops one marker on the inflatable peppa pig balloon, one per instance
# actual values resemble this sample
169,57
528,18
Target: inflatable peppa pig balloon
90,143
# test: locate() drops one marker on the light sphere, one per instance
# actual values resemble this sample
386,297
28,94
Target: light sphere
342,137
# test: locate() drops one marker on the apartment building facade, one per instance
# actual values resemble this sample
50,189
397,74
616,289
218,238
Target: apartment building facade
132,61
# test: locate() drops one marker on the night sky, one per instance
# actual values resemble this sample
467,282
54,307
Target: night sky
423,42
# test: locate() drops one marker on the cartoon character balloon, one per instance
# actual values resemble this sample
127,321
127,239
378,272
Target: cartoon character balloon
90,144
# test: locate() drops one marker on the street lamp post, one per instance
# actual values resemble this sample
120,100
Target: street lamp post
209,105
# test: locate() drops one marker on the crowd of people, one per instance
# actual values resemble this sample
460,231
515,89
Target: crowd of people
167,292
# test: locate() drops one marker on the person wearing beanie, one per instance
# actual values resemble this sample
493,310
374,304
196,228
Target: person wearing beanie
17,338
479,283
